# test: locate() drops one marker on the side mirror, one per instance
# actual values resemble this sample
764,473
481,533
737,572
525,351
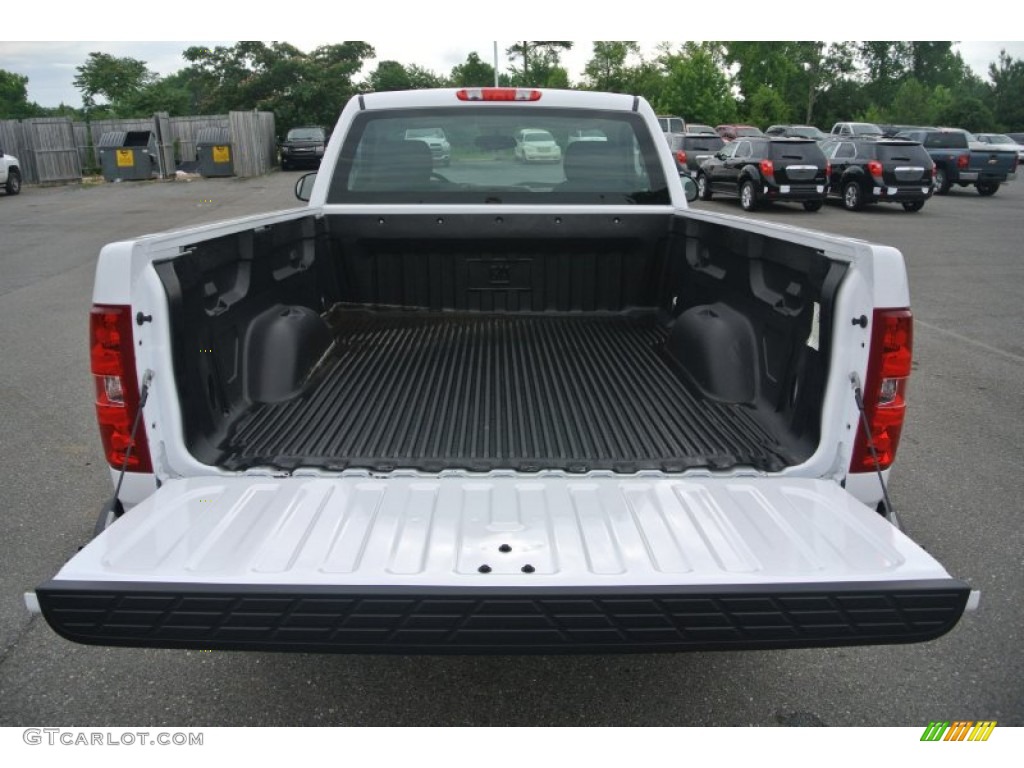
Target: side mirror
689,188
304,186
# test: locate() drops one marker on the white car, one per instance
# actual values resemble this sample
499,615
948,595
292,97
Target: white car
534,145
10,173
436,140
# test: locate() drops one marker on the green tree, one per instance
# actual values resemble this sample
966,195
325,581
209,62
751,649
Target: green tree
539,60
912,105
169,94
767,106
885,64
695,86
606,70
300,88
776,66
115,79
389,76
473,72
14,103
825,65
1007,76
969,113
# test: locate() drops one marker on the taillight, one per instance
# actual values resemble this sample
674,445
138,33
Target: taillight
681,157
935,170
498,94
828,171
963,161
875,169
767,168
885,389
117,392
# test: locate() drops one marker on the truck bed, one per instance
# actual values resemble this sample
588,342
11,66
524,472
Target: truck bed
480,391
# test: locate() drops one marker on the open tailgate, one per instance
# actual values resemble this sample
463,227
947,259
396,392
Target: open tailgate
500,564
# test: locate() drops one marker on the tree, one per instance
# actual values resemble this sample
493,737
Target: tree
472,73
970,114
912,105
114,78
767,106
299,88
825,65
14,103
1007,76
695,86
389,76
539,57
606,70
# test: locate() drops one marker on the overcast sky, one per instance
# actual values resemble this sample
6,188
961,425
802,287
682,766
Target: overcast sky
449,32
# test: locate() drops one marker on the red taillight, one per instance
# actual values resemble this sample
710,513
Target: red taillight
498,94
828,171
935,170
963,161
767,168
885,389
681,157
875,169
117,391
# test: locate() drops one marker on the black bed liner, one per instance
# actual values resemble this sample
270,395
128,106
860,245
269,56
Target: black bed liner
458,390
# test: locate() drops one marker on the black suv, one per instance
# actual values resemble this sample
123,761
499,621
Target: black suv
764,169
690,151
879,171
303,146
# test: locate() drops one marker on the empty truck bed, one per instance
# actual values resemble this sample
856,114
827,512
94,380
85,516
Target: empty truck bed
416,389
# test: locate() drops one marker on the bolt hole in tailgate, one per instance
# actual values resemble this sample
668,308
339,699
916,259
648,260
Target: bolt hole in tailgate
590,564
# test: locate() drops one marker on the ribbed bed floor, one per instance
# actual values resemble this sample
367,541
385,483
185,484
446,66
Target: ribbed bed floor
431,391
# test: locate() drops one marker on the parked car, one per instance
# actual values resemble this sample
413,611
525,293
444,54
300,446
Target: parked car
587,134
797,131
690,151
956,163
867,170
436,141
671,124
763,169
856,129
1002,141
890,130
10,173
731,132
700,129
535,145
303,146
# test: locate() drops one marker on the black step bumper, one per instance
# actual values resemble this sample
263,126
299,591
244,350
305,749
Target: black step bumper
500,620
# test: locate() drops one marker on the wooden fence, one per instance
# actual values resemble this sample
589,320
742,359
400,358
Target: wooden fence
54,150
45,148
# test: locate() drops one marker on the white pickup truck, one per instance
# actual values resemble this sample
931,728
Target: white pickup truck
499,407
10,173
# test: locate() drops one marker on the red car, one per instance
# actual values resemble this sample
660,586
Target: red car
730,132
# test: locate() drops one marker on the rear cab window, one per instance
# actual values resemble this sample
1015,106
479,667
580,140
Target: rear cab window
596,157
946,140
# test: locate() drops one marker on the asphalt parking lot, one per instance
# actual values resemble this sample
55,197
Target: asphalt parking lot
953,485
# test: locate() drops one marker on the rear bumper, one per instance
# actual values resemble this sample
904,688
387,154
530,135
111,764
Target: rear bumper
438,620
795,193
900,194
